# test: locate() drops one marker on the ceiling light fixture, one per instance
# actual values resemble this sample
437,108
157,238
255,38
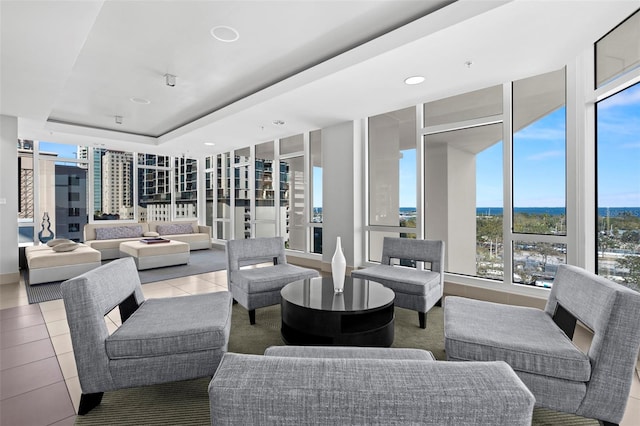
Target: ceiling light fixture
416,79
118,119
170,80
225,34
468,64
209,143
278,122
141,101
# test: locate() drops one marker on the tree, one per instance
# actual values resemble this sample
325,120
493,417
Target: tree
632,263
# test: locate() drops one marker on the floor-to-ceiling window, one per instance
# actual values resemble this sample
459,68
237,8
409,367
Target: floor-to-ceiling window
539,226
315,191
392,178
293,220
242,215
186,188
463,180
154,188
618,153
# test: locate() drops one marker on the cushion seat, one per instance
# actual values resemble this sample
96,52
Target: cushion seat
268,279
483,331
402,279
170,326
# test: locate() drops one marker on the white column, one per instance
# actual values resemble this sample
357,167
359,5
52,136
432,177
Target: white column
9,200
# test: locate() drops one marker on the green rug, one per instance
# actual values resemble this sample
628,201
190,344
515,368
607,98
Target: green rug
187,403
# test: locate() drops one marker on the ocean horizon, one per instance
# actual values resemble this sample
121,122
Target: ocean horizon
551,211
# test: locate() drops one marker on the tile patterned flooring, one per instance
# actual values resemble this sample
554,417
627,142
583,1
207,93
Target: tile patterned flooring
37,364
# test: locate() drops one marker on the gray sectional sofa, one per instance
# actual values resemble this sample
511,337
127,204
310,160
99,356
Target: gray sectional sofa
106,237
355,386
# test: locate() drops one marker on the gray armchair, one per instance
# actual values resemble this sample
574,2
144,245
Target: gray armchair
160,340
415,288
257,287
538,343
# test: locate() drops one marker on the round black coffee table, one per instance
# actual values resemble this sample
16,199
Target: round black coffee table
313,314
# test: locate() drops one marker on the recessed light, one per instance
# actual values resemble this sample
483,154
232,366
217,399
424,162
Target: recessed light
278,122
416,79
209,143
225,34
141,101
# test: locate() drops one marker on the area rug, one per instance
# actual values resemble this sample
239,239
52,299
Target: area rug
187,403
200,262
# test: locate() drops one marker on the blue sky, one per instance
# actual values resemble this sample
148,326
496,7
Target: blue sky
539,161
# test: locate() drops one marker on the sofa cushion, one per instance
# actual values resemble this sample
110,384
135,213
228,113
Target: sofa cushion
151,234
526,338
401,279
269,278
173,325
174,228
112,232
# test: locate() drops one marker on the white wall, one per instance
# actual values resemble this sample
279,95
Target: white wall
9,200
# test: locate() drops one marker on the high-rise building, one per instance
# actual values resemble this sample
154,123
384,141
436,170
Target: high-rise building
117,184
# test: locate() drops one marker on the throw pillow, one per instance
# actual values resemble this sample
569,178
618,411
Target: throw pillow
57,241
175,228
66,247
114,232
151,234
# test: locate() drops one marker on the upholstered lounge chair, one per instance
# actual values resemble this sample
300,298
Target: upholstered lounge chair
160,340
257,287
538,346
415,288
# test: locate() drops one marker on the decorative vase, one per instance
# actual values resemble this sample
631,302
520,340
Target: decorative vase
338,268
46,234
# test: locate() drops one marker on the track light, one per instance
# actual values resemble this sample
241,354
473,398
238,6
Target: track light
170,80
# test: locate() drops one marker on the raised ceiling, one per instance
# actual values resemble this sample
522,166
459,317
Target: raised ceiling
69,67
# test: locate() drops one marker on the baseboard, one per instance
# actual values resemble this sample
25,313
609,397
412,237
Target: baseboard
11,278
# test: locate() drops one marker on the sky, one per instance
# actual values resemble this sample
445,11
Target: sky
539,161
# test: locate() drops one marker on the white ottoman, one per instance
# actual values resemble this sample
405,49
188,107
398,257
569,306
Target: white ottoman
148,256
46,265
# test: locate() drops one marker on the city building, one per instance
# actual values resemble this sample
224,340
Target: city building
504,128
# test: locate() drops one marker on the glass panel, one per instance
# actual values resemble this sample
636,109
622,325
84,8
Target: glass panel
223,230
315,150
536,263
242,155
481,103
316,240
153,160
210,180
242,203
392,169
618,157
619,51
539,154
223,172
292,202
25,182
292,145
115,184
266,230
186,187
464,198
375,243
58,199
26,235
264,184
154,195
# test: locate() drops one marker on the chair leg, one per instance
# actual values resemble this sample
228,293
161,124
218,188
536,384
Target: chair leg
89,401
252,316
422,318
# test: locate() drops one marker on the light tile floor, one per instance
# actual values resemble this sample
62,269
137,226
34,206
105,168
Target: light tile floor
37,363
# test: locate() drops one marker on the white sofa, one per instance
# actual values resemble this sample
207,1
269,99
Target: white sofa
106,237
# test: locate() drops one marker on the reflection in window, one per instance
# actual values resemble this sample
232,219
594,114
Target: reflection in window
315,161
265,190
618,187
618,52
292,202
186,187
539,155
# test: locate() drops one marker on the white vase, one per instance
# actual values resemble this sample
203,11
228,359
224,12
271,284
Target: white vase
338,268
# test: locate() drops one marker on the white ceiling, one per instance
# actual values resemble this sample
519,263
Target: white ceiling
69,67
